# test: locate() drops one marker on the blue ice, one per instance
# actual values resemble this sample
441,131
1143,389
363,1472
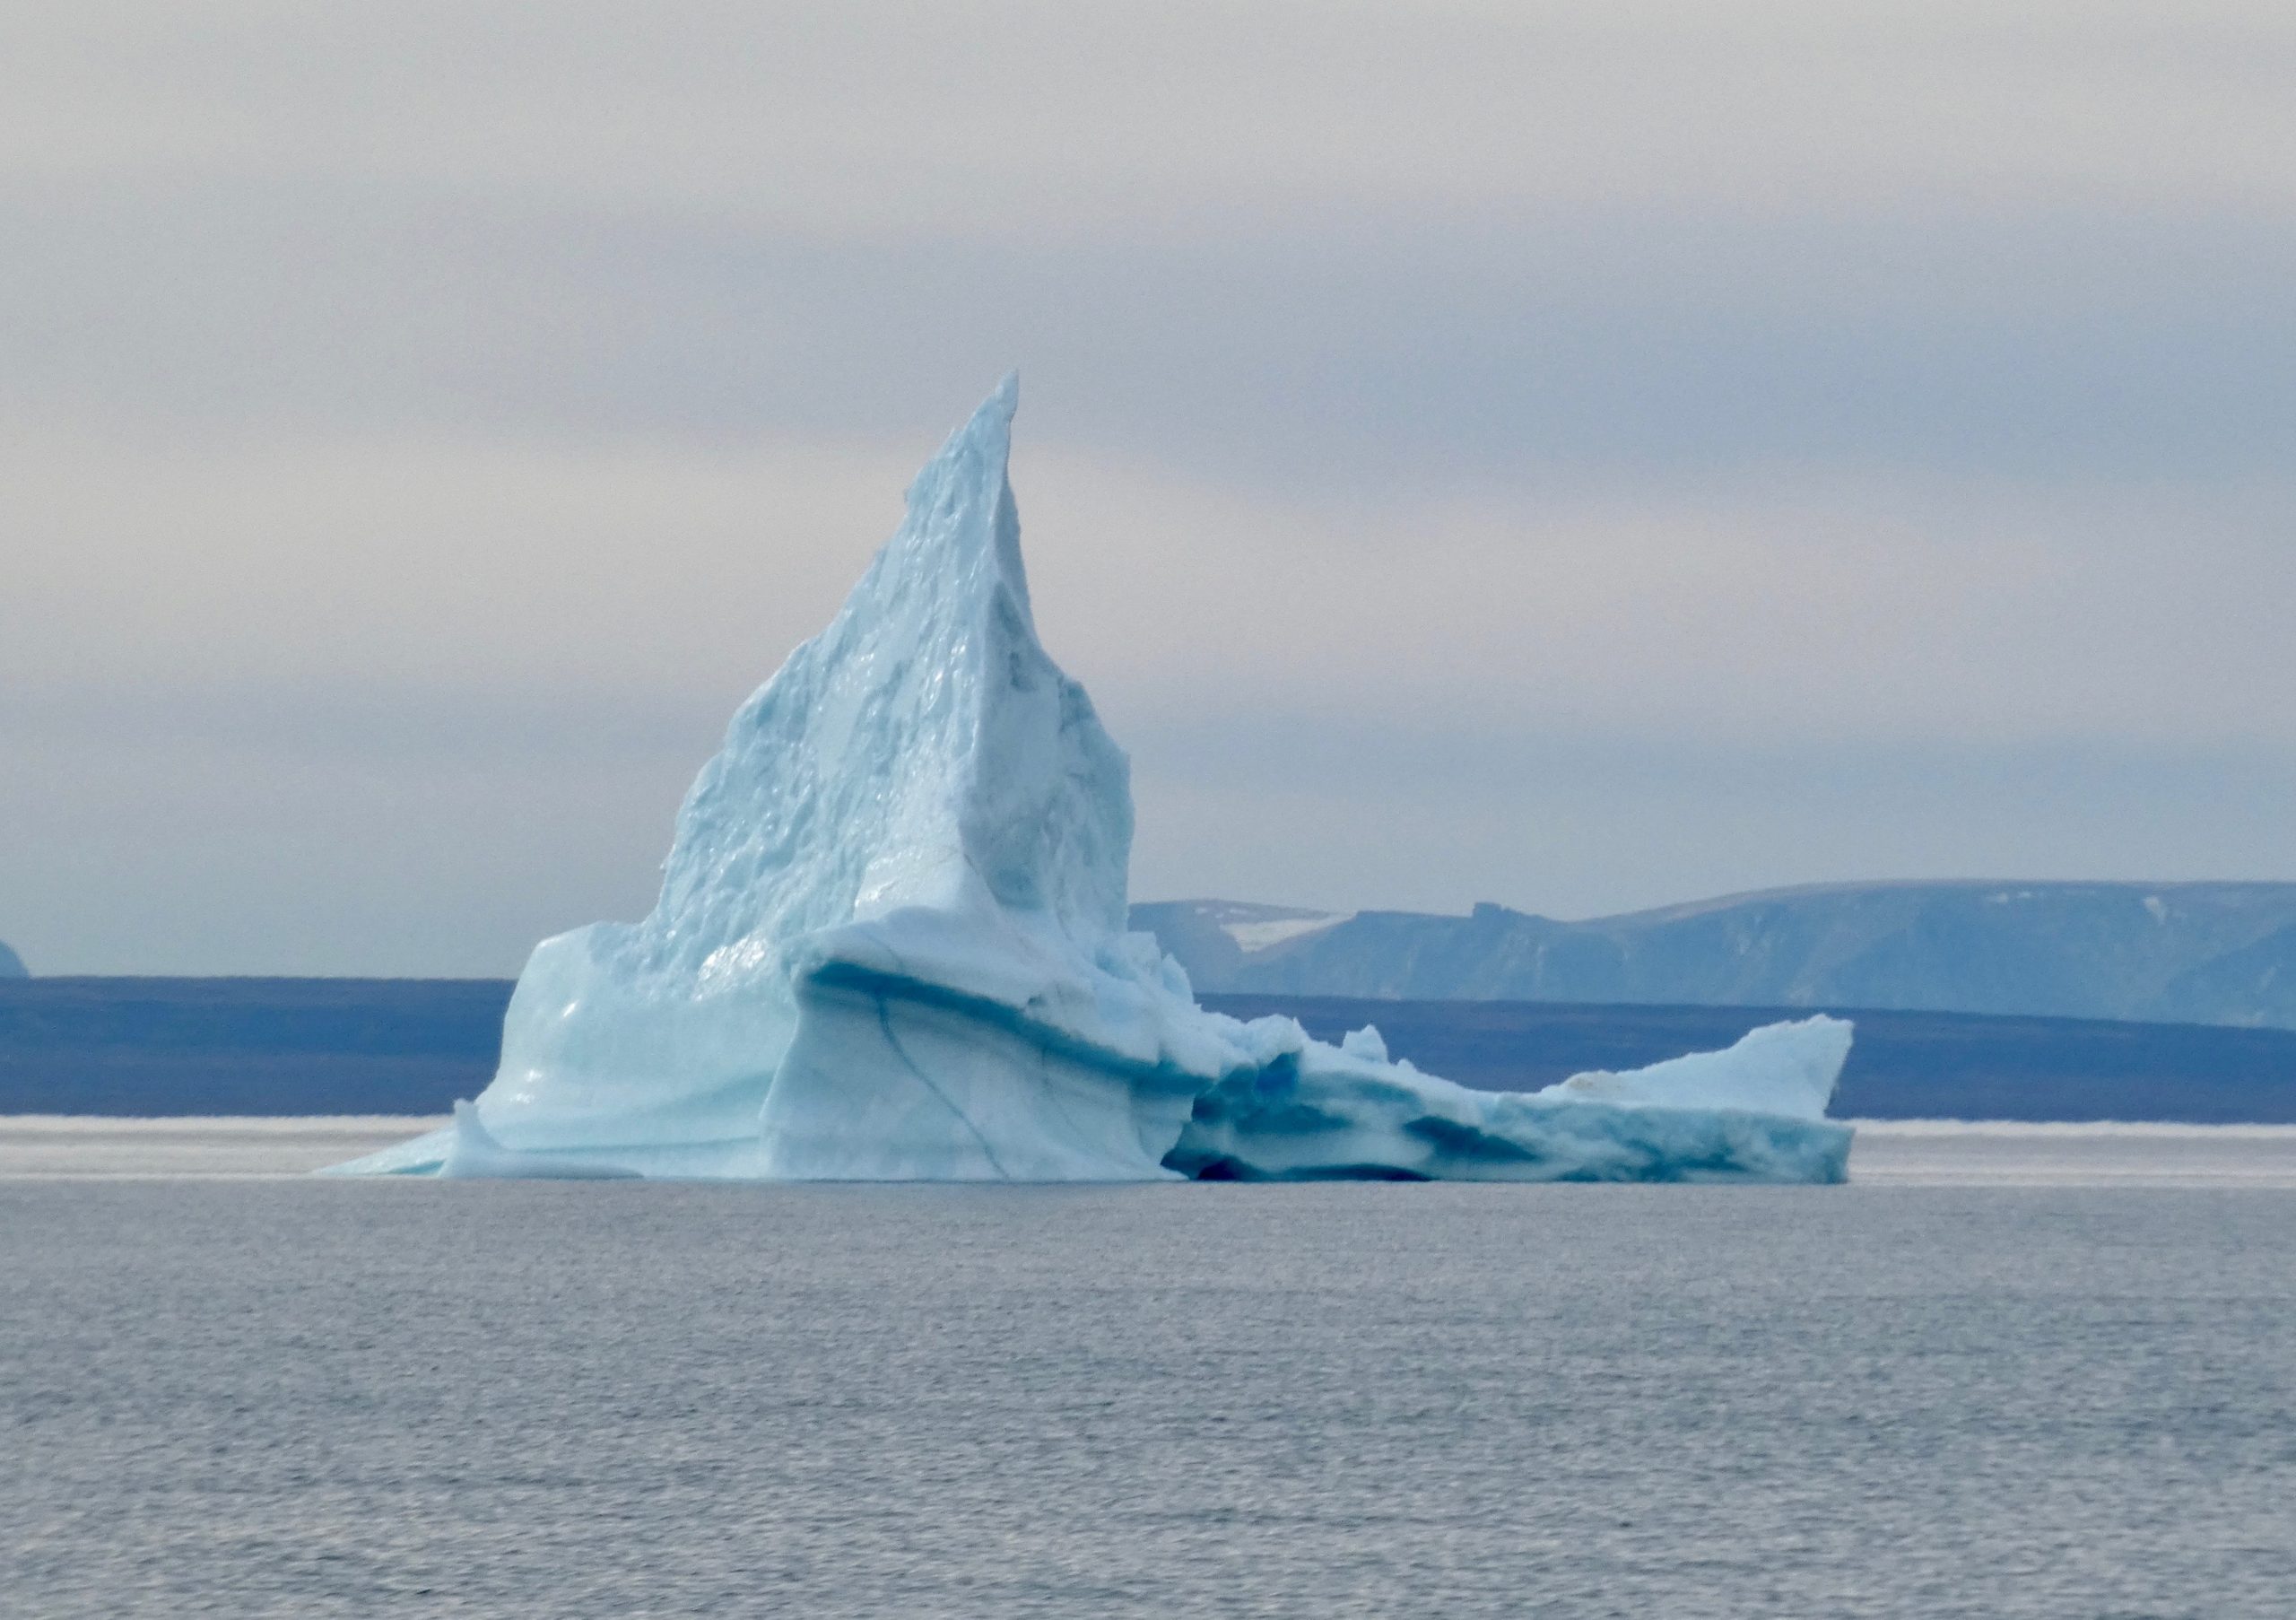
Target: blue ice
890,945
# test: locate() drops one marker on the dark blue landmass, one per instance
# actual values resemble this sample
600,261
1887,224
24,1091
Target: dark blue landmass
2189,952
159,1047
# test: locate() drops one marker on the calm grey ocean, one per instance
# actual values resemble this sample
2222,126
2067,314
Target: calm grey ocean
2028,1393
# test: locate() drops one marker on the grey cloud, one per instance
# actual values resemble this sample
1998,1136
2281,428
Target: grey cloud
1574,824
1412,349
931,120
396,726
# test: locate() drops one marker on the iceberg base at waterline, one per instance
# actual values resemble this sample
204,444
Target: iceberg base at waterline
890,945
895,1087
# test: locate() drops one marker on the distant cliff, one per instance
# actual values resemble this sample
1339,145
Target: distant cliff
2181,952
11,966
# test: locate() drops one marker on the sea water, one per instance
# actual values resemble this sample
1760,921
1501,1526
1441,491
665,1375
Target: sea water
2000,1373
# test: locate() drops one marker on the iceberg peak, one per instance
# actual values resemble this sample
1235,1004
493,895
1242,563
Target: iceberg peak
960,505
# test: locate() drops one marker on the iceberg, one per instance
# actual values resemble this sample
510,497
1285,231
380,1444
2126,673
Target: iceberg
891,944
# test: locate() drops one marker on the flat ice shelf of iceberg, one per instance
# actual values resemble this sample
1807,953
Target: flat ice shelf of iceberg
890,945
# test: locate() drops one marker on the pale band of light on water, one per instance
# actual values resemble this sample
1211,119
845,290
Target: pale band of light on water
1942,1153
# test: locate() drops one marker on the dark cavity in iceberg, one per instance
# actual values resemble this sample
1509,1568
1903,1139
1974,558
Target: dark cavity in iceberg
890,945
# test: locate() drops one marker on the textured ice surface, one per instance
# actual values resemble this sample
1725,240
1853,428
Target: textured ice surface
1750,1113
890,945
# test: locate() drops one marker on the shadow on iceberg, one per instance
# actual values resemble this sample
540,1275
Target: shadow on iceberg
890,945
1343,1114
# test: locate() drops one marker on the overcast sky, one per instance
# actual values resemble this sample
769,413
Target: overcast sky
1579,456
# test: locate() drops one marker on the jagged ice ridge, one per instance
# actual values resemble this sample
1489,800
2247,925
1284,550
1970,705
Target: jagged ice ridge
892,945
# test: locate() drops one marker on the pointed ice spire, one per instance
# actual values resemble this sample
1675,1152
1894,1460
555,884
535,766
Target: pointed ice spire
960,540
925,732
